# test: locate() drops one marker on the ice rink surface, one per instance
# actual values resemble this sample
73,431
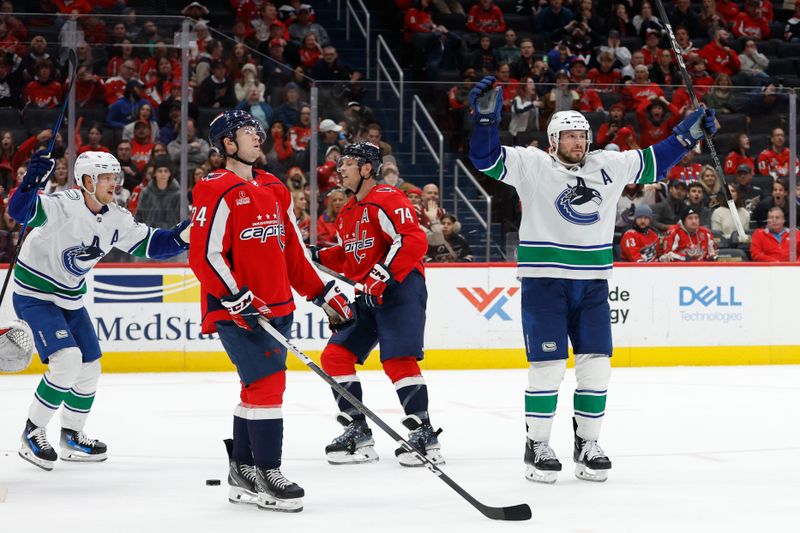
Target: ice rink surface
694,449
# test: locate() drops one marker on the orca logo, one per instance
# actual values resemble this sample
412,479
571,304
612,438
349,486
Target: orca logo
578,204
75,258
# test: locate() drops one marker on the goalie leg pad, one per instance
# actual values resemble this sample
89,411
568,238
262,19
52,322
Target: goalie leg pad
592,373
541,397
16,346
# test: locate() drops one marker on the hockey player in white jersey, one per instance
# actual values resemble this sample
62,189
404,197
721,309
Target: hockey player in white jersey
569,196
70,232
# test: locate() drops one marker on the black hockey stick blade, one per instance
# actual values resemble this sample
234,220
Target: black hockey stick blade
515,512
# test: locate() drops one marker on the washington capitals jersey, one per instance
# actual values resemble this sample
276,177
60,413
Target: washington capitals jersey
67,240
381,228
244,233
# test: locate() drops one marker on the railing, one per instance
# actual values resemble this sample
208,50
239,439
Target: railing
363,26
487,222
438,156
396,86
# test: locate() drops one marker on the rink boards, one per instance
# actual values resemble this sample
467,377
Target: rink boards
147,318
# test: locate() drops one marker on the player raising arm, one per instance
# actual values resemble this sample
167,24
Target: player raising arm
569,196
380,245
248,256
71,231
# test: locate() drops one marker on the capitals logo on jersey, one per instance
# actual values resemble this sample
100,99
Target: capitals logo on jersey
79,260
265,227
579,204
359,241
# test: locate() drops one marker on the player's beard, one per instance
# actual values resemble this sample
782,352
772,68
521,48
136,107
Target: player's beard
569,158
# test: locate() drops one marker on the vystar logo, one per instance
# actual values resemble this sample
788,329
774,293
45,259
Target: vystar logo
489,304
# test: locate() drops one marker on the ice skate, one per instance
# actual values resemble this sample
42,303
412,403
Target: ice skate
354,446
591,462
543,465
241,479
36,449
276,493
76,446
422,437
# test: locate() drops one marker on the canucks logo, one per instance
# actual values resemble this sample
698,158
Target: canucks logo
579,204
78,260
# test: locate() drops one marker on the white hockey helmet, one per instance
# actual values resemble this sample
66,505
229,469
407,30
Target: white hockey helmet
567,121
93,164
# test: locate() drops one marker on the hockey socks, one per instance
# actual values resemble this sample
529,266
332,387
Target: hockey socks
541,397
592,373
353,385
410,386
240,449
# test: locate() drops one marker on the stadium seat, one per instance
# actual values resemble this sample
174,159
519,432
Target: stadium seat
732,122
763,182
781,67
451,22
732,255
10,117
595,118
35,118
724,141
763,124
93,114
610,99
519,23
631,43
791,50
769,48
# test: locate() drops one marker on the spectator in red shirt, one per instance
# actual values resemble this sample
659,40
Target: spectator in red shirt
656,116
125,54
771,244
640,243
728,9
326,227
640,90
685,170
664,71
115,87
311,51
485,17
43,91
739,156
608,130
774,161
651,50
300,134
590,100
751,23
141,144
81,7
720,56
95,143
89,89
14,25
702,81
688,240
509,84
605,78
418,20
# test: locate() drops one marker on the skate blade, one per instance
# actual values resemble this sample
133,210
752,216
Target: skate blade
268,503
365,454
41,463
587,474
239,495
411,461
80,457
541,476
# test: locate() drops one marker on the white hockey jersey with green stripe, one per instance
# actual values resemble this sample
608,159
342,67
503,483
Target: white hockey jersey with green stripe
66,241
568,215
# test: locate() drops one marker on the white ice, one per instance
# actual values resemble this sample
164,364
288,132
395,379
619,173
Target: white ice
694,449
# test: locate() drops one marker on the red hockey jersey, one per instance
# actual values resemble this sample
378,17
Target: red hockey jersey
381,228
639,246
775,164
244,233
735,159
679,245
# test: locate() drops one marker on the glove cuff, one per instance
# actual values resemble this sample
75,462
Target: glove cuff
238,302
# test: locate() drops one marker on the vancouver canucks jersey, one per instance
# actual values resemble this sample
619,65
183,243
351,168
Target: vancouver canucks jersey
568,214
67,240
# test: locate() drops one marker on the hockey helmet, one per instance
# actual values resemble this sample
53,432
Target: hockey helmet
365,152
567,121
93,164
226,124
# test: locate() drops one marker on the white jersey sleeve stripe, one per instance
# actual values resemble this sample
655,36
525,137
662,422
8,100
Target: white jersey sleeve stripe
216,235
397,239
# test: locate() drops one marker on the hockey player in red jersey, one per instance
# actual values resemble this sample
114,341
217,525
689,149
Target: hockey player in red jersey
640,243
382,247
248,257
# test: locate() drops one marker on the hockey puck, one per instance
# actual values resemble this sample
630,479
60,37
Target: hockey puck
212,482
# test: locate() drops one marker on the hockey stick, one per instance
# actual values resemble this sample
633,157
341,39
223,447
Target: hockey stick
690,89
514,512
340,277
72,68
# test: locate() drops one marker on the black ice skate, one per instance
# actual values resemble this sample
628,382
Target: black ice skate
35,448
422,437
241,479
354,446
543,465
276,493
76,446
591,462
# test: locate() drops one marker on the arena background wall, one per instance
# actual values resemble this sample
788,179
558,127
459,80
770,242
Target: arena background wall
147,318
